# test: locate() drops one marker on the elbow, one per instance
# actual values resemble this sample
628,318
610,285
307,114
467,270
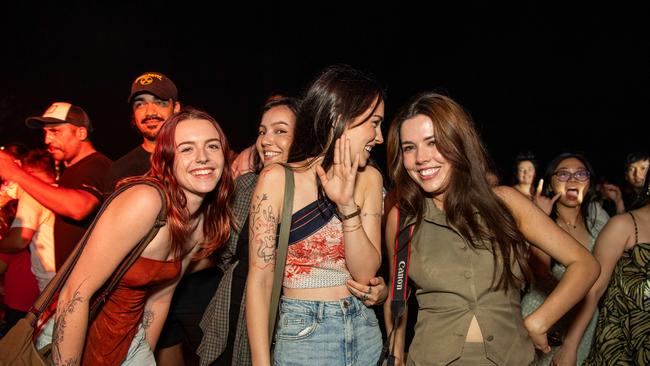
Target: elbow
79,214
80,208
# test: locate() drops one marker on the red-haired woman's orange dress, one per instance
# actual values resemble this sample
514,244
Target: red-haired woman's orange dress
110,334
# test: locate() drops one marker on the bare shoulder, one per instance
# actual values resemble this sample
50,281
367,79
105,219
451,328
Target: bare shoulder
370,176
369,181
507,193
621,223
271,175
140,198
522,208
512,198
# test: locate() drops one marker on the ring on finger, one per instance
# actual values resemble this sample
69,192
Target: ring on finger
369,290
364,297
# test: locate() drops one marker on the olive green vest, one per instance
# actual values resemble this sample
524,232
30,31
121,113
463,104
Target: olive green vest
454,283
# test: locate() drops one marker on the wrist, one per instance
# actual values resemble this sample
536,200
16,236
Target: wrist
348,211
569,343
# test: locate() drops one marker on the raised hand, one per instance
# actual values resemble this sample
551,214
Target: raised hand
338,181
543,202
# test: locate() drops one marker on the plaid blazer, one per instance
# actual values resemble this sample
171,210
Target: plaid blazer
215,321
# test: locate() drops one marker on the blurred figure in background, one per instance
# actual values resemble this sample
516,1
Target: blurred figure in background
33,225
525,170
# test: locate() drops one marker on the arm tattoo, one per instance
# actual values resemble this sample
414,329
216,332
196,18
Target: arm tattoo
60,324
147,319
262,230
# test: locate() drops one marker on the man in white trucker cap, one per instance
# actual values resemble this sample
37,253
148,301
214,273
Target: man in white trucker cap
78,196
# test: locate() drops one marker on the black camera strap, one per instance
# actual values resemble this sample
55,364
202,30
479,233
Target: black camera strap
399,283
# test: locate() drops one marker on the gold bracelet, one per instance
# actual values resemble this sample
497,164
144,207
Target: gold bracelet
354,228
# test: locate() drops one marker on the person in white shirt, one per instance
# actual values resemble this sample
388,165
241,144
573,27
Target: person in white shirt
33,225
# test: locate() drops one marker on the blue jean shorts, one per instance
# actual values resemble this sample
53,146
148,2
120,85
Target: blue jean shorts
312,333
139,353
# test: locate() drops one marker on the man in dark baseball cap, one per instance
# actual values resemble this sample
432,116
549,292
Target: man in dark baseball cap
153,99
79,193
154,83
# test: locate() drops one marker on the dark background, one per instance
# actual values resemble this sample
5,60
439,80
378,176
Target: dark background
534,76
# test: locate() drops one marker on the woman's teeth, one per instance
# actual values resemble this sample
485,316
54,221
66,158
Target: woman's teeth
201,172
428,172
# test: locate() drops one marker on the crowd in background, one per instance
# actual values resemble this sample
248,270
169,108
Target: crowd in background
551,258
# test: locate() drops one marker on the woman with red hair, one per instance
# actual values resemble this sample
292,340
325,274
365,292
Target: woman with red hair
188,164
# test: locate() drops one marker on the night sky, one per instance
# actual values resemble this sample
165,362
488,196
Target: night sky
540,77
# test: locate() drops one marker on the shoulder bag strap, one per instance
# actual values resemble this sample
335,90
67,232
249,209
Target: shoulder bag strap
54,286
283,244
133,256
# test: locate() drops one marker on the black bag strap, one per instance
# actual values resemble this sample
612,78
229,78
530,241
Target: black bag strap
283,245
399,282
54,286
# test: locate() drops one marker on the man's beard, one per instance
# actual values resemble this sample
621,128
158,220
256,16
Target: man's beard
150,135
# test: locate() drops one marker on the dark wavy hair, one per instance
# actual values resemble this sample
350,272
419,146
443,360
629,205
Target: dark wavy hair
589,197
216,206
635,156
270,103
337,96
466,189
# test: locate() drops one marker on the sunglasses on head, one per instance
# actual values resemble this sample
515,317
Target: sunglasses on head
565,175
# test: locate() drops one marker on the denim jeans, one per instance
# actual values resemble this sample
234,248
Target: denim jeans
312,333
139,353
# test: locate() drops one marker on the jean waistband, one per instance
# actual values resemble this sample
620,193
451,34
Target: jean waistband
346,306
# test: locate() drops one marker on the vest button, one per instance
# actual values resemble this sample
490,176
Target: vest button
489,338
468,274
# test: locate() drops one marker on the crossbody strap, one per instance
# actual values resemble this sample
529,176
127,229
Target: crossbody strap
283,244
401,266
399,282
54,286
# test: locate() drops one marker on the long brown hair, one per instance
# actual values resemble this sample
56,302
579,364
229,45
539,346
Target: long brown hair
466,190
215,208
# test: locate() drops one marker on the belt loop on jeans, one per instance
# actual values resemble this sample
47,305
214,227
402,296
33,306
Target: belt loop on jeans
321,311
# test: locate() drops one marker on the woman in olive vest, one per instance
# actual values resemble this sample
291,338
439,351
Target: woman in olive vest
464,233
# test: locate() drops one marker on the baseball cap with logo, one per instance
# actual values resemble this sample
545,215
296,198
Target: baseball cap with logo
61,112
154,83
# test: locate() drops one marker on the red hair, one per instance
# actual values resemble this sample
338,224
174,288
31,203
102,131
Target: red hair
215,208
